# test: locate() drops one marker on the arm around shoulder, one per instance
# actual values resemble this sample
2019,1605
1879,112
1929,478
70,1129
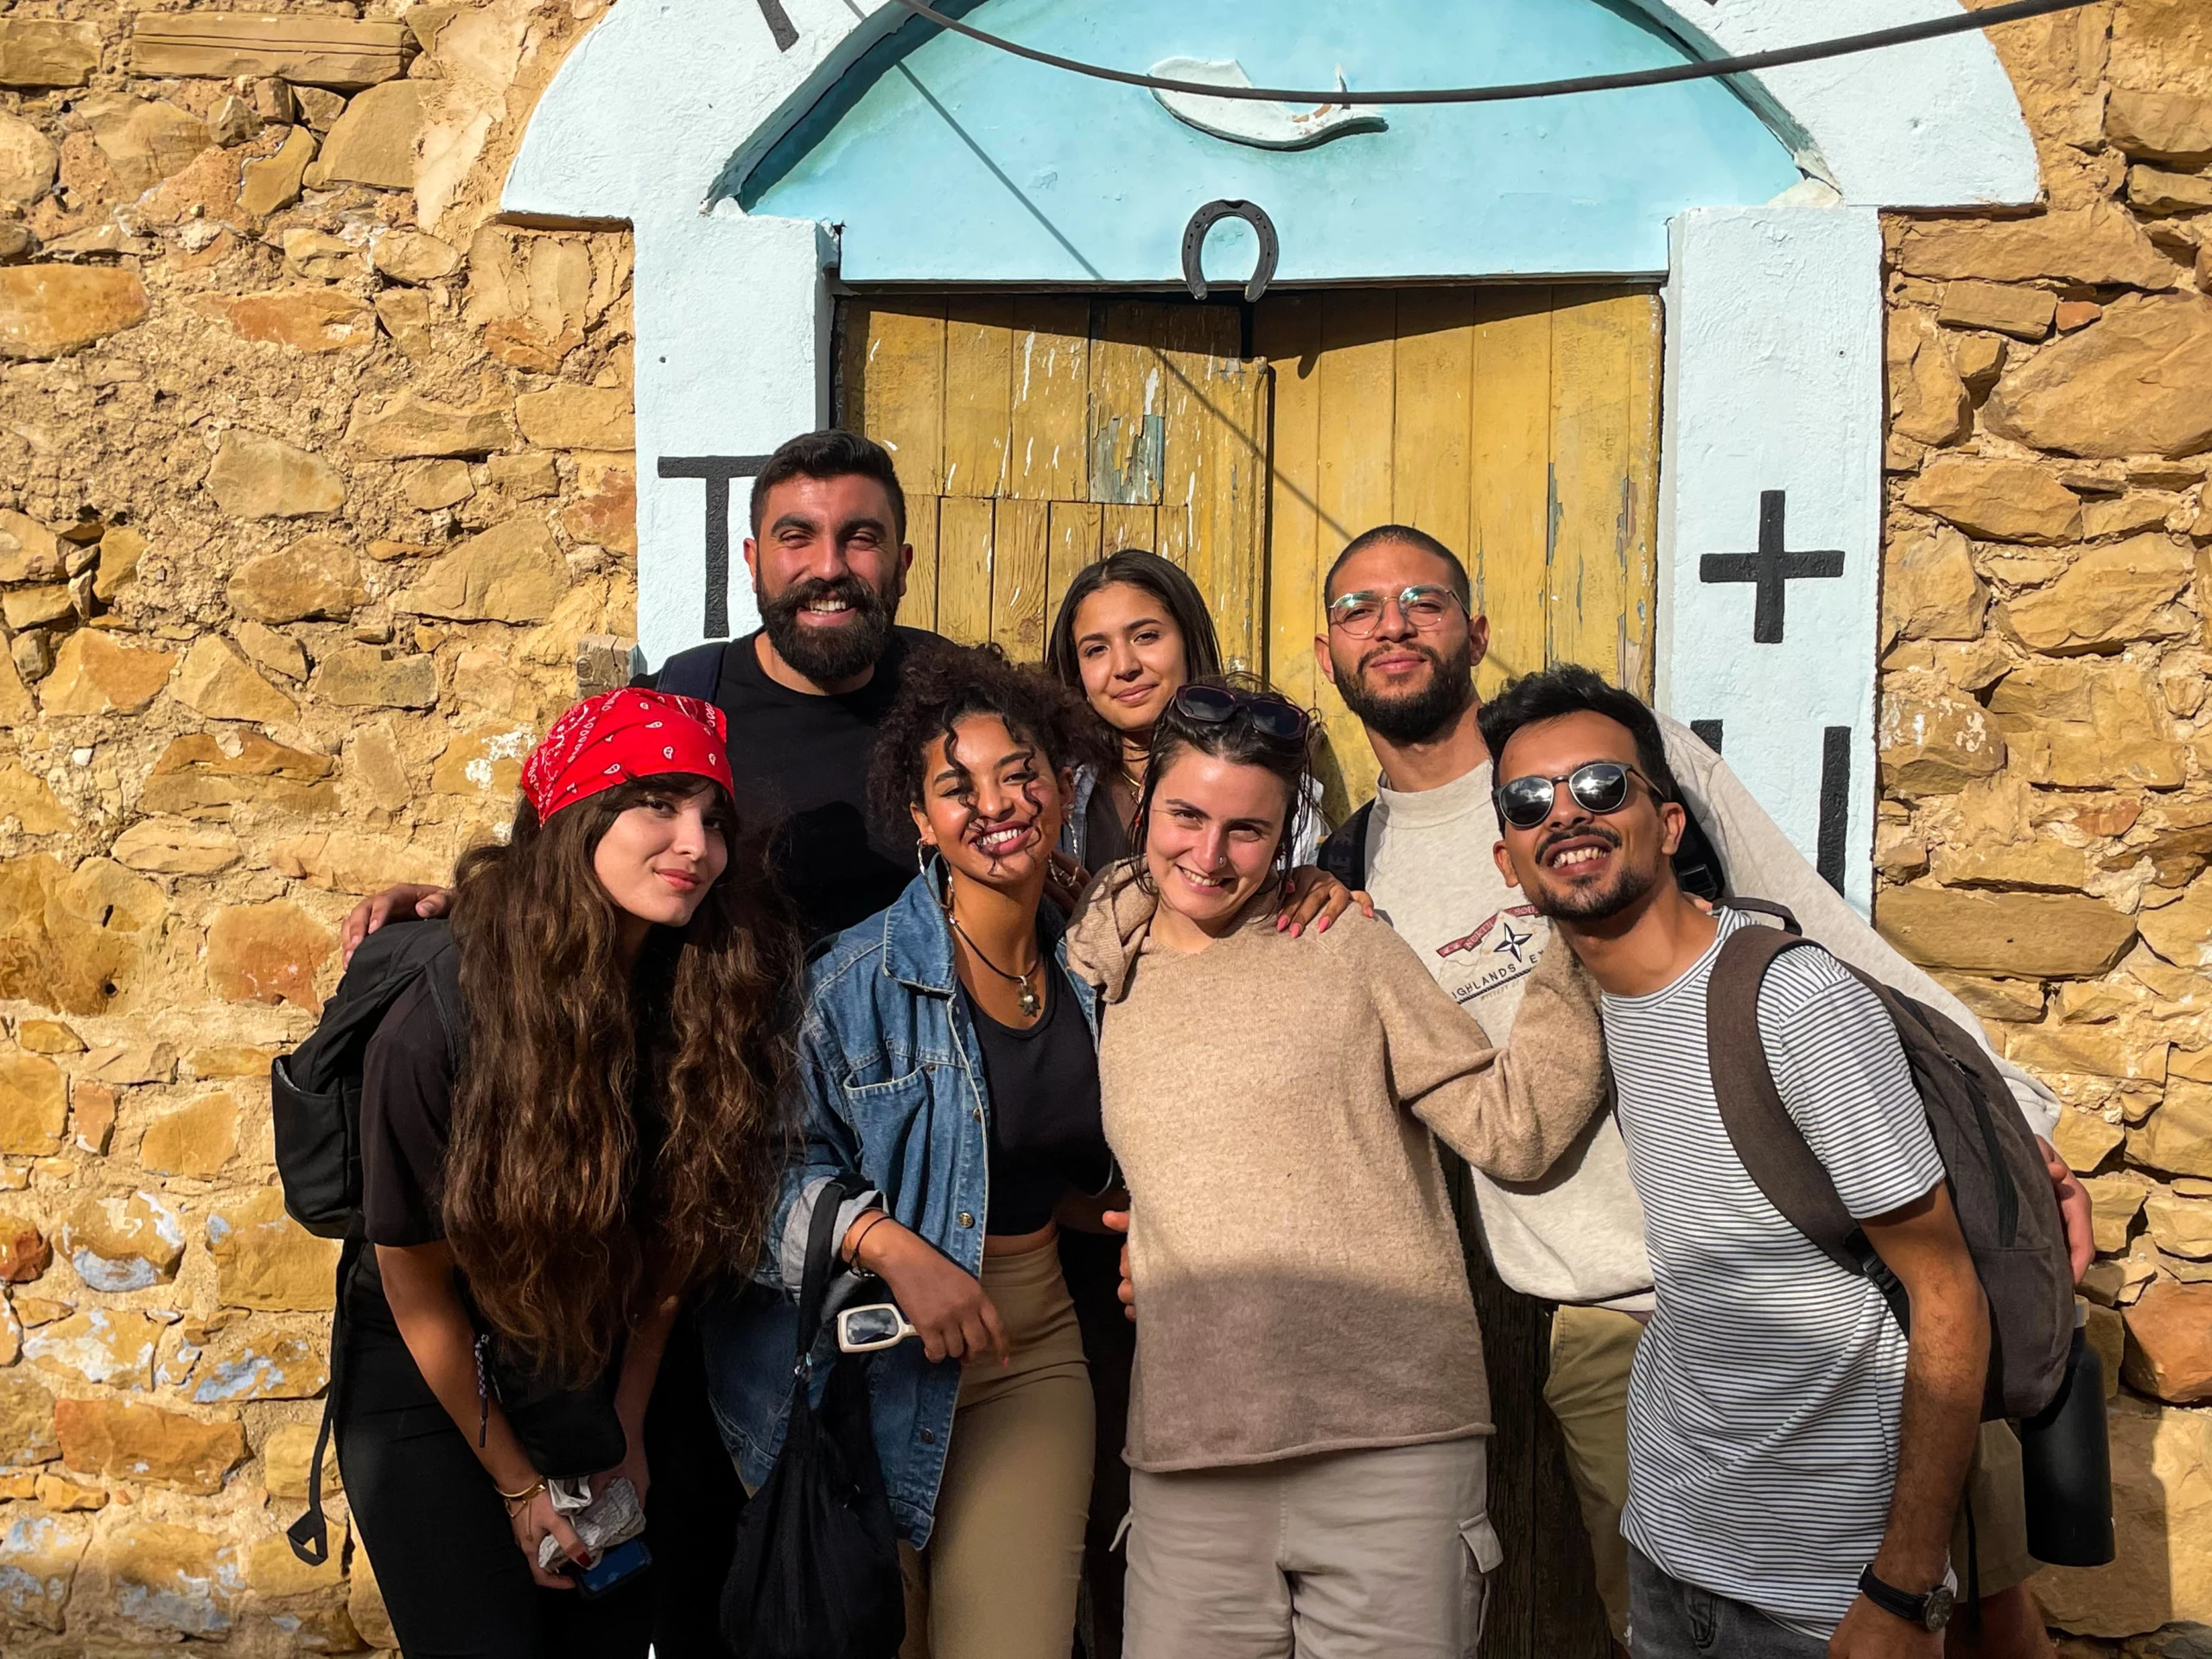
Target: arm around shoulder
1512,1112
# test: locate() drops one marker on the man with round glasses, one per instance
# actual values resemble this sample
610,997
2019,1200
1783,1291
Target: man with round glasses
1401,644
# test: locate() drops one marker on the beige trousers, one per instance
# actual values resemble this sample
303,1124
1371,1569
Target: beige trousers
1592,1351
1368,1555
998,1578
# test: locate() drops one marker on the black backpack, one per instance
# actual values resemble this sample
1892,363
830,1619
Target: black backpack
1995,1171
315,1106
316,1101
816,1572
696,672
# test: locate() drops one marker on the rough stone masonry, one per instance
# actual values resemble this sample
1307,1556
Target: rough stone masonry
316,496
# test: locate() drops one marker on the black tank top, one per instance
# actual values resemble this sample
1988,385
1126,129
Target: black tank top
1044,1131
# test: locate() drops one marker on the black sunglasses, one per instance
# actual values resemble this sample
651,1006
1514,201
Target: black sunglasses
1271,714
1598,786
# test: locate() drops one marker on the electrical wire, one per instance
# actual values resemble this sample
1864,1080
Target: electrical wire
1707,70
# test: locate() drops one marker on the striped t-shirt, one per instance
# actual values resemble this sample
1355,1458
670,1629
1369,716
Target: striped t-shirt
1762,1411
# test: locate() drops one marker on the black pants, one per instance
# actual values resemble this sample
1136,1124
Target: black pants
1092,1265
453,1581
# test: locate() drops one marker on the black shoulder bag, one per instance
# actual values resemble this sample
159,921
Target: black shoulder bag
816,1574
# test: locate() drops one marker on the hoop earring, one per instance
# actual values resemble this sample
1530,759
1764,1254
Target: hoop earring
922,851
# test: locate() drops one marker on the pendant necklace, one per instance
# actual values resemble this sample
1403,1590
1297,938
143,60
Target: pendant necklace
1030,1005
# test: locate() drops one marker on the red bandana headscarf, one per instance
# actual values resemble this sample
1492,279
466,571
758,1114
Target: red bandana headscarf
620,736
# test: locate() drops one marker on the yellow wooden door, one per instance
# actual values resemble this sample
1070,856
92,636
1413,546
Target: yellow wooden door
1518,425
1036,433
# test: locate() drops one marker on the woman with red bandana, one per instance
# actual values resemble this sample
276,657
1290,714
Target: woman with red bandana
568,1123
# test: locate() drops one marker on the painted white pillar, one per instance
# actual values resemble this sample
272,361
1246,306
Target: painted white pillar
732,357
1773,382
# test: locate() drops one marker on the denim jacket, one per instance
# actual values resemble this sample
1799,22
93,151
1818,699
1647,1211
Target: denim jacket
894,1094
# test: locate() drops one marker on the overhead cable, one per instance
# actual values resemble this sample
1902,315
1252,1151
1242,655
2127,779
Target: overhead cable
1708,69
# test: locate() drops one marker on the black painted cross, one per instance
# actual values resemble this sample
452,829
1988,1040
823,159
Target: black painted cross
780,24
717,471
1771,568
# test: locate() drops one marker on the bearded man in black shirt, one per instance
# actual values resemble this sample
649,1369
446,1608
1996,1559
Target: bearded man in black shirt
806,690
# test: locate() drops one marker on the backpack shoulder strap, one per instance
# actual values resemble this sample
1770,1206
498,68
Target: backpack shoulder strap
1773,1149
1343,854
694,673
442,974
1781,915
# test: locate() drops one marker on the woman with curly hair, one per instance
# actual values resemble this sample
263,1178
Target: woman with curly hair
949,1062
550,1169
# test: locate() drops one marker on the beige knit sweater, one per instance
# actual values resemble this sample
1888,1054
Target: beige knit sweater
1299,1278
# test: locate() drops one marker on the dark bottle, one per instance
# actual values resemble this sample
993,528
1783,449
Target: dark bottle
2066,1466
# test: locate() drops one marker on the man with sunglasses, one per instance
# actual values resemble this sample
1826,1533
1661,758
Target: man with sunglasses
1795,1462
1402,645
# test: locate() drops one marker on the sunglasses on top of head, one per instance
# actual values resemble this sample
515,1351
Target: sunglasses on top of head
1597,786
1271,714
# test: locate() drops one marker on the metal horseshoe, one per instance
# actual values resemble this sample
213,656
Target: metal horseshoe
1194,239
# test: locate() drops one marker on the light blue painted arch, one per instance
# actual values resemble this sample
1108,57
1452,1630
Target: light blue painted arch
943,160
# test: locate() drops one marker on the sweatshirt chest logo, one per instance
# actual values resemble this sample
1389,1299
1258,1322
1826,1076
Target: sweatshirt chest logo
1510,941
1505,946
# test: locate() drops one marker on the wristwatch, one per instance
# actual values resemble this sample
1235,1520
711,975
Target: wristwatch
1930,1613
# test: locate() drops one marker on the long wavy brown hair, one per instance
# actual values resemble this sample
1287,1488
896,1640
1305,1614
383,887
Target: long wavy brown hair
612,1127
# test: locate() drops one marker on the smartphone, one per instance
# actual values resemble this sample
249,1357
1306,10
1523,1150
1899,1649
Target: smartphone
613,1567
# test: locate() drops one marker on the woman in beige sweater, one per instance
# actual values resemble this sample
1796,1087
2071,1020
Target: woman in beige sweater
1307,1431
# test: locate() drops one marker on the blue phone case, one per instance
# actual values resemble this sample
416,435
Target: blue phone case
613,1567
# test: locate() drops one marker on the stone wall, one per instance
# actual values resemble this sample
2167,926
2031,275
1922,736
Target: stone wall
313,484
2046,814
317,500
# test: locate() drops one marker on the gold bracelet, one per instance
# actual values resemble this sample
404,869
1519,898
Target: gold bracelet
523,1496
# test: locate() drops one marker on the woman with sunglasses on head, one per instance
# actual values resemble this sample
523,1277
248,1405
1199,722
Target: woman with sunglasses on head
570,1122
1131,630
1310,1406
949,1062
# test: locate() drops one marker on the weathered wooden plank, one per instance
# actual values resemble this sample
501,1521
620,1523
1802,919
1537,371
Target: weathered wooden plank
978,394
1046,458
1128,420
1511,453
1287,332
963,569
1228,520
1021,542
309,51
1073,537
1196,349
1645,326
1600,568
919,609
1128,526
894,391
1358,395
1431,441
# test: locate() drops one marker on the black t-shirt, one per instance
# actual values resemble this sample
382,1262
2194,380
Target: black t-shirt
406,1121
1045,1134
406,1126
803,759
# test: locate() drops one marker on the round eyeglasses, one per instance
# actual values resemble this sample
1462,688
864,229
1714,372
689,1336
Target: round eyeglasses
1425,605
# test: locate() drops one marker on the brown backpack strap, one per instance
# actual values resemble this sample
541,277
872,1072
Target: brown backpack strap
1772,1148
